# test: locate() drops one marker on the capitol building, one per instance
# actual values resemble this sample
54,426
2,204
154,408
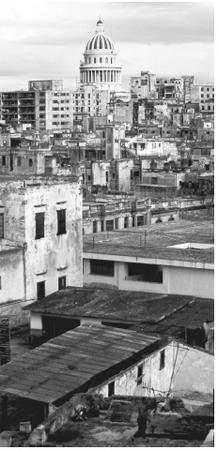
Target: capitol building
99,66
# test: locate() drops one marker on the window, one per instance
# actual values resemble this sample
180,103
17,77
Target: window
1,225
150,273
162,359
40,221
111,389
102,225
61,283
117,223
100,60
100,267
140,221
30,162
4,160
19,161
95,226
126,222
61,221
109,225
40,290
106,174
139,374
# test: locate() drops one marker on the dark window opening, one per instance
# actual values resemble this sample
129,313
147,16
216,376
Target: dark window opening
154,180
162,359
102,225
139,374
145,272
1,226
140,221
100,267
126,222
61,221
111,389
61,283
95,226
40,290
106,177
109,225
40,225
116,223
4,160
19,161
11,163
30,162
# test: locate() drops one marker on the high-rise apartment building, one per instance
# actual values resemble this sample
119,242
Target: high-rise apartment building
45,106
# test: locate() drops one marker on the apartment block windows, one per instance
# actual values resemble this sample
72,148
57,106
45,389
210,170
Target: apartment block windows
40,290
162,359
1,225
61,221
61,283
40,225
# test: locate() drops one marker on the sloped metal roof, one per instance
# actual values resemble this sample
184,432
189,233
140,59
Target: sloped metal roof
72,361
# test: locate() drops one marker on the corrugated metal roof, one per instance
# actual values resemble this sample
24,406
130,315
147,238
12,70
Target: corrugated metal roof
64,364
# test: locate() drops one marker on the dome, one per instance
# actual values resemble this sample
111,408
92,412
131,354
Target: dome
99,42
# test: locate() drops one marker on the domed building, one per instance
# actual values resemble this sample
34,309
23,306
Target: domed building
99,66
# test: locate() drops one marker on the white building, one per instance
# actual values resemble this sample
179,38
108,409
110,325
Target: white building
154,259
40,237
99,66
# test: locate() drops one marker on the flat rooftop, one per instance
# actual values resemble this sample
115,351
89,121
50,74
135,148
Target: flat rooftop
73,361
108,304
157,241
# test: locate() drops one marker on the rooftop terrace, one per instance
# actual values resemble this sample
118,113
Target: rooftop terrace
157,241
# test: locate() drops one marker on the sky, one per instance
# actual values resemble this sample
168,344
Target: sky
45,39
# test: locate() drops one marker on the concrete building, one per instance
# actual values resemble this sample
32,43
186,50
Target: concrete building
204,95
21,161
99,66
156,259
114,213
143,86
45,106
41,237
